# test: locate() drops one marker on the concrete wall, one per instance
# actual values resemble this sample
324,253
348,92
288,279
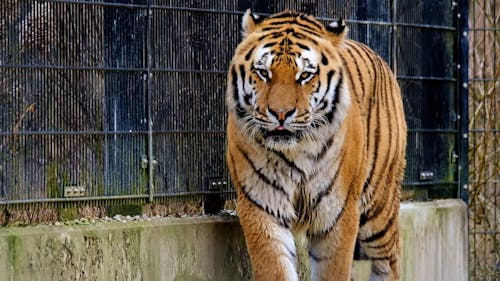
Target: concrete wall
206,249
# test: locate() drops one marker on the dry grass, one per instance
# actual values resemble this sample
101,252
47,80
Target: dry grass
484,110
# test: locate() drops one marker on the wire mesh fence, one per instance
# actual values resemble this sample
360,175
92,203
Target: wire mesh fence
484,102
125,99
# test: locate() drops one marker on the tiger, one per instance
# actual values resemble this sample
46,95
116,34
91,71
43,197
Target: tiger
316,140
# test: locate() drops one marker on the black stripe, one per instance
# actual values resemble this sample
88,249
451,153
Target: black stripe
302,46
329,77
268,29
299,35
381,258
246,98
287,14
309,29
291,164
317,200
267,35
282,221
242,73
316,258
262,176
247,56
279,25
385,166
377,133
358,48
377,235
362,220
269,44
391,240
240,111
339,215
360,77
336,99
376,210
325,148
374,213
234,81
305,18
336,96
324,60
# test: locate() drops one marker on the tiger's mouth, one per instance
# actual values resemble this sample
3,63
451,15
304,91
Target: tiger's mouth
280,135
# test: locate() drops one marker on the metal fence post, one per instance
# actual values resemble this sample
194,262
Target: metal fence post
151,160
463,94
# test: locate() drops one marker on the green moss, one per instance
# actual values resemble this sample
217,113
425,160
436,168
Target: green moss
124,210
68,214
51,183
186,276
13,243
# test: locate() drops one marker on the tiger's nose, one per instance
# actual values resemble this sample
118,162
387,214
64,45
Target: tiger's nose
281,114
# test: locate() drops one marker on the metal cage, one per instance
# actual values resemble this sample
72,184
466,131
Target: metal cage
125,99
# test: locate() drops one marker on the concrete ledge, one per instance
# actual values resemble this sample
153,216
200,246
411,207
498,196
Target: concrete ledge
435,239
205,249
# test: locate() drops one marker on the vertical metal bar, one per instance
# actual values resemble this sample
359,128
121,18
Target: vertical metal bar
149,105
495,144
463,102
394,60
472,206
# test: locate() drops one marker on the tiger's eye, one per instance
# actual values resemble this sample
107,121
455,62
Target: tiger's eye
263,72
305,75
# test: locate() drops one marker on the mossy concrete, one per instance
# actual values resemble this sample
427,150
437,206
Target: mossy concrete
210,248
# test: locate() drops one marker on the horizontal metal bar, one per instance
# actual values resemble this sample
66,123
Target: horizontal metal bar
474,29
107,133
71,199
117,197
196,193
494,232
110,69
484,182
157,132
191,9
427,26
71,133
428,183
398,24
405,77
59,67
471,80
107,4
484,131
209,71
431,131
136,69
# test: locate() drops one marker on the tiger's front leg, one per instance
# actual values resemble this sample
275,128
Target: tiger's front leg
271,246
331,252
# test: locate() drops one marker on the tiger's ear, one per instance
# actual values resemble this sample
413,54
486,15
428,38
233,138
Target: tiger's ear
337,31
249,22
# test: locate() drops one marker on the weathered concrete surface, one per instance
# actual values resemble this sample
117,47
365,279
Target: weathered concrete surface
168,250
206,249
434,241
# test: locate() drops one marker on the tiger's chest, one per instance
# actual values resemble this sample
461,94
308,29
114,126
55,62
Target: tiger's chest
301,188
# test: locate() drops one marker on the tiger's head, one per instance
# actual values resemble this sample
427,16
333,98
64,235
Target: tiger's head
285,82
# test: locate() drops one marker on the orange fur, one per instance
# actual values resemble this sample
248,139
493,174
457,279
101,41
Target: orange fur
316,143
